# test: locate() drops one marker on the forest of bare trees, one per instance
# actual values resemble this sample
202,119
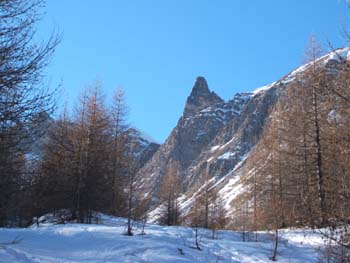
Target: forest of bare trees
81,161
299,174
86,155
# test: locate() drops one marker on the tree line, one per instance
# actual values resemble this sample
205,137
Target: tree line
299,173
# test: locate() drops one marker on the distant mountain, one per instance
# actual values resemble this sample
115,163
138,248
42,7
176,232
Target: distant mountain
35,135
205,114
216,137
211,132
143,146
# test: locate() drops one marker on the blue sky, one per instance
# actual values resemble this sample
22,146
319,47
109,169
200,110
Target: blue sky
156,49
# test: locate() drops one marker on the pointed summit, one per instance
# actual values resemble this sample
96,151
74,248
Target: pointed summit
201,97
200,87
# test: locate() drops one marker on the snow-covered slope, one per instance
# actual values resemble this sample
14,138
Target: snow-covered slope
230,186
105,243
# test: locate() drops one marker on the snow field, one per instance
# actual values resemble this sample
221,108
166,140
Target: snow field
106,243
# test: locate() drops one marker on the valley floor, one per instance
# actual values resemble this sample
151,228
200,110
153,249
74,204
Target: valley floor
105,243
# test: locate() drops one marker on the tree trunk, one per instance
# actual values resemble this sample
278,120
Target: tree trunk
274,256
319,168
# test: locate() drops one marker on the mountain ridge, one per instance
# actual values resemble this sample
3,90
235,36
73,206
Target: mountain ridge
213,137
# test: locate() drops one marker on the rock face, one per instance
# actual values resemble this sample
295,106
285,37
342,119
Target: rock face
143,147
235,140
211,131
200,97
213,138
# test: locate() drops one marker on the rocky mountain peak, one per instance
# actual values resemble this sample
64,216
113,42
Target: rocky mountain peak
200,86
201,97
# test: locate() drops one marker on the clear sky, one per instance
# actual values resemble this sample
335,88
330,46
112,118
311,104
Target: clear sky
156,49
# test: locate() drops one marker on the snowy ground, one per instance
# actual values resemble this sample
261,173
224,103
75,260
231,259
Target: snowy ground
105,243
